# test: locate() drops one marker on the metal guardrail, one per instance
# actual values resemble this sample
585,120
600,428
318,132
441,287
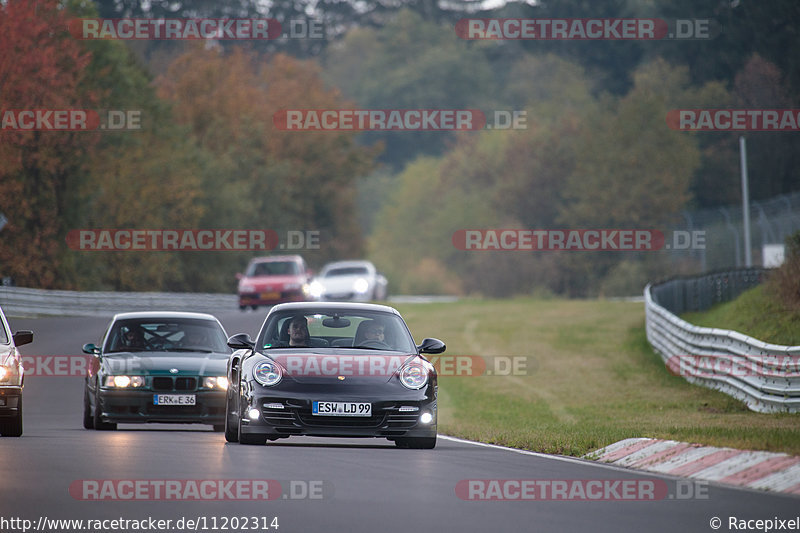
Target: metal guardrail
766,377
22,301
18,301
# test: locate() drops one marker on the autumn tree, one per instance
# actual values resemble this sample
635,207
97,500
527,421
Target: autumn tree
41,68
261,177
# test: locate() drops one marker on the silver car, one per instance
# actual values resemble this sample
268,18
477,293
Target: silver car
355,281
12,376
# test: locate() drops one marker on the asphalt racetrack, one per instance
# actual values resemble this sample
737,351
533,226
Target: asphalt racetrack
57,470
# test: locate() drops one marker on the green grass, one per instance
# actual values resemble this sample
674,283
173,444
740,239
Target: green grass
753,313
594,381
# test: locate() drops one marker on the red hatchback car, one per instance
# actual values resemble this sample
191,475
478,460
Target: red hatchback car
273,280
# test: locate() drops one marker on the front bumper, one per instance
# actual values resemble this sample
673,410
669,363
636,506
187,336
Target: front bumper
296,418
10,400
248,298
127,406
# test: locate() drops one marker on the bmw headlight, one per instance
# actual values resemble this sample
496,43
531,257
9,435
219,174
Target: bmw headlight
361,286
414,376
123,382
267,373
216,382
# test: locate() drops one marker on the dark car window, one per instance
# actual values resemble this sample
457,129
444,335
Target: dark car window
173,334
274,268
346,271
3,334
338,329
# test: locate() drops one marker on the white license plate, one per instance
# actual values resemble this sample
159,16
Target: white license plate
341,408
173,399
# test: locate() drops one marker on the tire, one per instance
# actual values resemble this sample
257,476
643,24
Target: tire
12,427
88,419
98,422
254,307
231,429
242,308
416,443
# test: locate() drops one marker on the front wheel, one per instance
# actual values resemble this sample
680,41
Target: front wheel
88,419
231,426
12,427
418,443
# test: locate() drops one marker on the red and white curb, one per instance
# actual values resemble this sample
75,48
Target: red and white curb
777,472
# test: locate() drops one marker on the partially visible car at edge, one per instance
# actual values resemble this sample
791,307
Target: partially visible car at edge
164,367
357,281
357,373
272,280
12,378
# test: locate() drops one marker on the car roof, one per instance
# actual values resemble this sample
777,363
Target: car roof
274,258
349,263
333,306
164,314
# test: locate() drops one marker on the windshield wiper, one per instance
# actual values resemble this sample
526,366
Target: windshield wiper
202,350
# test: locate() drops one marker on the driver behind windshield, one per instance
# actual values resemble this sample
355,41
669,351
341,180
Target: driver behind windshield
373,331
298,331
133,338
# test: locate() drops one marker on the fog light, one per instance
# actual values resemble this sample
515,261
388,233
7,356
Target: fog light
253,413
426,418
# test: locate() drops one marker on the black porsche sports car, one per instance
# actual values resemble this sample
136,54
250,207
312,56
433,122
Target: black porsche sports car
332,370
157,367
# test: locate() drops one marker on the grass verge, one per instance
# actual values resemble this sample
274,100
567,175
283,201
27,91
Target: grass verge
593,380
746,315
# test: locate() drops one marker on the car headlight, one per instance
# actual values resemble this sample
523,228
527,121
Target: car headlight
293,286
216,382
123,382
5,373
414,376
361,286
315,289
245,287
267,373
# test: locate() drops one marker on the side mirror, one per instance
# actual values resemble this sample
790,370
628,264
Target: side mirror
22,337
241,341
239,275
91,349
432,346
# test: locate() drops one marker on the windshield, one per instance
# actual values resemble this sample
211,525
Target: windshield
168,335
346,271
274,268
365,330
